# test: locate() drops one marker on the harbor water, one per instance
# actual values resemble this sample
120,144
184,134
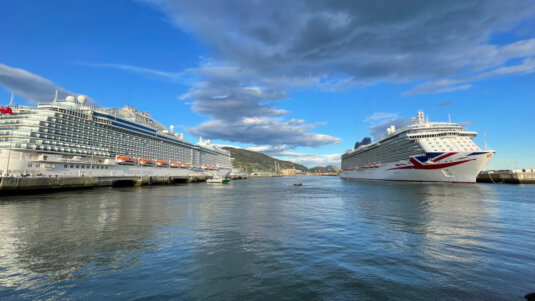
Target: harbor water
266,239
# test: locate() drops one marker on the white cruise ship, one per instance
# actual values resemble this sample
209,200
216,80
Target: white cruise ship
421,152
70,138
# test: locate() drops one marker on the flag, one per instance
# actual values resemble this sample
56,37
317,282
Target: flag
6,110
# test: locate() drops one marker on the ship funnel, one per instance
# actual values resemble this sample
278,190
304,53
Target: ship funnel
420,117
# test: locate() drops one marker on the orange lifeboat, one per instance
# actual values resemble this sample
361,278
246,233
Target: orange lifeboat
175,164
162,163
146,162
126,160
209,167
184,165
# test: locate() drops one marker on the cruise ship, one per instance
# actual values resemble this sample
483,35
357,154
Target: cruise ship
71,138
422,152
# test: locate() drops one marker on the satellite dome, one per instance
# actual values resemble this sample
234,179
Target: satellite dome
81,99
69,98
172,128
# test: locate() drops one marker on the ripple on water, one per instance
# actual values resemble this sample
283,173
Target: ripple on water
264,239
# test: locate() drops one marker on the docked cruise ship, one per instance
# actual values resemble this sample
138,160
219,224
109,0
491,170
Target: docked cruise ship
71,138
422,152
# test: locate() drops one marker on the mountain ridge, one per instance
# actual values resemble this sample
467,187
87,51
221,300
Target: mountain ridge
255,161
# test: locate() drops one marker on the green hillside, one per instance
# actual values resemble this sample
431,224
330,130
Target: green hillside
328,169
253,161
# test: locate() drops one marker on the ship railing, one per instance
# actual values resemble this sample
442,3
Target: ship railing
73,160
415,136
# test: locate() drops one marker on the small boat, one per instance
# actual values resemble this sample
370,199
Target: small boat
218,180
146,162
298,184
162,163
174,164
126,160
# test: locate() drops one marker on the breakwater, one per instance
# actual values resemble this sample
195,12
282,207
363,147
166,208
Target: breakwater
25,184
512,176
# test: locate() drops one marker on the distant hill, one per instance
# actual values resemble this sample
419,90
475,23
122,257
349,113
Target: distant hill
325,169
254,161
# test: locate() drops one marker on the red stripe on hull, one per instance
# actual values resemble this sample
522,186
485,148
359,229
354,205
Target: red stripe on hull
415,181
443,157
418,165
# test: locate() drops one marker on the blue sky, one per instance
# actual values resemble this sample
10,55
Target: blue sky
300,80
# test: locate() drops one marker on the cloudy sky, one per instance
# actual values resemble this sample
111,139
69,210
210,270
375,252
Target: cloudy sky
300,80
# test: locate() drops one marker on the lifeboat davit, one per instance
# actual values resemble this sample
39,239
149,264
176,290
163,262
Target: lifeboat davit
174,164
162,163
126,160
146,162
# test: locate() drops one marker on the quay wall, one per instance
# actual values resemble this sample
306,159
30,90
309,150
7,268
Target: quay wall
10,185
516,176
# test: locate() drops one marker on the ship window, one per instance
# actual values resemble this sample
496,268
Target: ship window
29,164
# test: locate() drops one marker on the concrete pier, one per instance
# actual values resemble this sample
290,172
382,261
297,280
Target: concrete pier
10,185
238,176
512,176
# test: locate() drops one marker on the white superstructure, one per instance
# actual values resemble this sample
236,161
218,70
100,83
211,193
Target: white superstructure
70,138
422,152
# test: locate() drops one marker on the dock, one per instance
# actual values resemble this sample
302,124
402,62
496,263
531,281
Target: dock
13,185
509,176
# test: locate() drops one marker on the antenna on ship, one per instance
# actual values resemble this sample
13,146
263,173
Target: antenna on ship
11,101
449,117
56,97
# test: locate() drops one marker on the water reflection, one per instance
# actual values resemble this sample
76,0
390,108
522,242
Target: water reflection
60,234
435,219
264,239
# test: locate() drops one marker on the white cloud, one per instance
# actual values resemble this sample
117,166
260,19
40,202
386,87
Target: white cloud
174,76
262,131
269,149
380,115
30,86
379,130
351,44
311,160
527,66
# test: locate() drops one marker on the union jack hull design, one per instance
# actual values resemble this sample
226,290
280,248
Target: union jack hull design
422,152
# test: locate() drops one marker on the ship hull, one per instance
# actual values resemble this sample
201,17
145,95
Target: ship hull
462,167
21,163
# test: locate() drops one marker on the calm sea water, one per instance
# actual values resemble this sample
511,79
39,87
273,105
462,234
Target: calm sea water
264,239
